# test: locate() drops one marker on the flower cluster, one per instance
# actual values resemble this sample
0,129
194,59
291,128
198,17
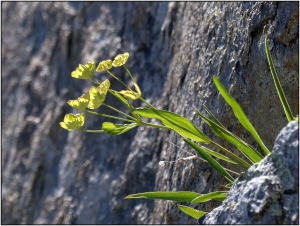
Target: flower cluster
92,100
130,95
72,122
95,97
84,71
120,60
104,66
81,103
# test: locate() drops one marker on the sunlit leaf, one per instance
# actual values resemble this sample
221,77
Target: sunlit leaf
229,185
217,195
179,196
210,160
239,113
176,122
213,117
219,156
84,71
191,212
252,154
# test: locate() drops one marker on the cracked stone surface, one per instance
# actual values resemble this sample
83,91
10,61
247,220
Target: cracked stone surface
268,193
52,176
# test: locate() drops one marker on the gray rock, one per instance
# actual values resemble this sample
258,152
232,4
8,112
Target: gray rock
52,176
268,193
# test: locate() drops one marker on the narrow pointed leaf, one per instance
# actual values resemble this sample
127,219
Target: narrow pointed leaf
239,113
219,156
210,160
229,185
176,122
213,117
218,195
279,89
191,212
179,196
253,155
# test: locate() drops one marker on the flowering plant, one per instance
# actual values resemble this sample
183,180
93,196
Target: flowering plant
171,121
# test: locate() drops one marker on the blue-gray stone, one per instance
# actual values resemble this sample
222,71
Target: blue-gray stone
268,193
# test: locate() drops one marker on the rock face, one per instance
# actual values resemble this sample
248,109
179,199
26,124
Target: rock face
52,176
268,193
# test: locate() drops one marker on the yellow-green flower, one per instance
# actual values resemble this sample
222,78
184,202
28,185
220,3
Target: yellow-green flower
84,71
104,66
97,95
128,94
81,103
120,59
72,122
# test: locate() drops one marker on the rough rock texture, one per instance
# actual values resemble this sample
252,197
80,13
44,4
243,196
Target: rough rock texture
268,193
53,176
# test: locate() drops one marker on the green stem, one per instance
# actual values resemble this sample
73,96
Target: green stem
109,116
118,111
151,106
91,131
129,73
239,161
119,80
95,81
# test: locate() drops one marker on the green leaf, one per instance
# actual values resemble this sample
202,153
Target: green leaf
213,117
253,155
228,185
239,113
191,212
218,155
176,122
117,129
210,160
179,196
279,89
218,195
